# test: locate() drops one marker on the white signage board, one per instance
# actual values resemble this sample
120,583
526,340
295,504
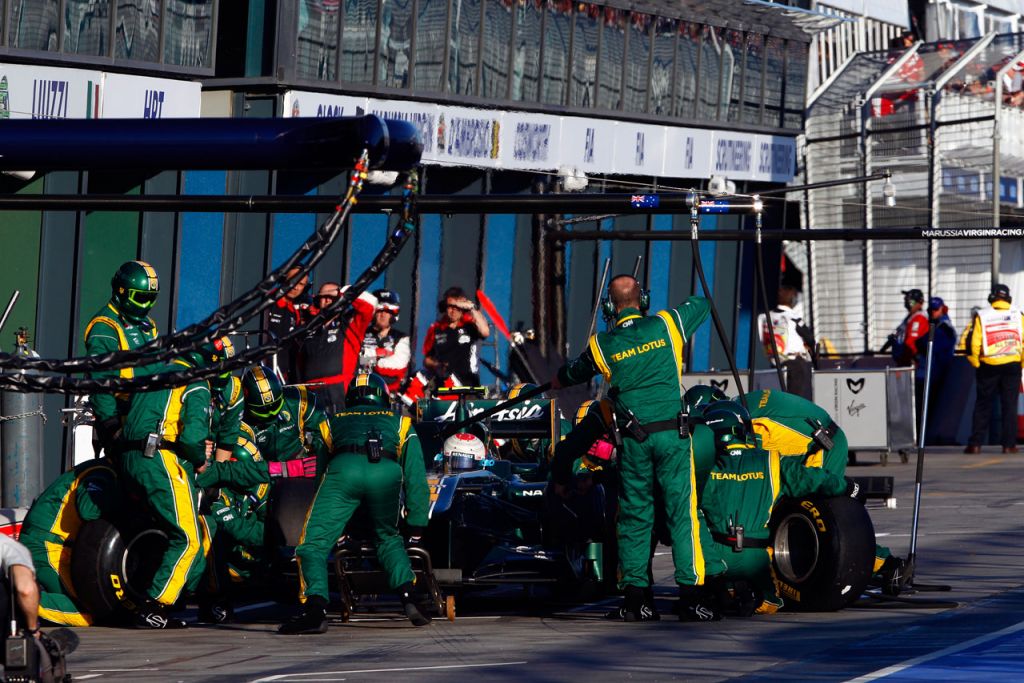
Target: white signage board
44,92
141,97
763,379
493,138
857,402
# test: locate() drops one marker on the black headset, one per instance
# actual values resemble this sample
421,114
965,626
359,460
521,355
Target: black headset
608,308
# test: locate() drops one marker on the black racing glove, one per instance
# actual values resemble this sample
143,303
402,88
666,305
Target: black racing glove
107,432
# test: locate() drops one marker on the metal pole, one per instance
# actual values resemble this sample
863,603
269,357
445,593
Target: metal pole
695,246
919,475
10,307
597,300
759,269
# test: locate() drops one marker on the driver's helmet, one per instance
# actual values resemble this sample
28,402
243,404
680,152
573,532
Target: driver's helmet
463,453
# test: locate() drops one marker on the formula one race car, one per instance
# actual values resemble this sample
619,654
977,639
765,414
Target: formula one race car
493,521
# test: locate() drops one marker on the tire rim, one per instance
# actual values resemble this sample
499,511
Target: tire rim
796,547
132,546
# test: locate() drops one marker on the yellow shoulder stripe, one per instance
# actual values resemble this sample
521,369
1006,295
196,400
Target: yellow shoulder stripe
403,433
675,338
325,432
602,364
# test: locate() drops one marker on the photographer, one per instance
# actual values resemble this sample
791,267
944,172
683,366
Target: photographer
19,572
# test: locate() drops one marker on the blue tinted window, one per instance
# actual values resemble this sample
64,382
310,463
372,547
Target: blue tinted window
358,41
584,56
395,43
464,49
188,35
316,43
526,52
431,31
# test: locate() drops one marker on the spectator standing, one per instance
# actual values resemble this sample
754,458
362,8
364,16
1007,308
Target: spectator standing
329,357
290,311
385,349
793,339
451,345
992,343
943,344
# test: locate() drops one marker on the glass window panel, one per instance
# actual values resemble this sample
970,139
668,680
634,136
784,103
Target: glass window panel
710,73
358,40
557,29
584,56
465,46
752,79
187,36
687,55
87,27
526,56
497,35
638,63
732,74
316,43
774,62
796,84
395,41
34,24
137,30
661,66
613,54
431,32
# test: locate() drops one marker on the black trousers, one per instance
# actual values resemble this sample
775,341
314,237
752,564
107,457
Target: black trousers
1002,381
798,377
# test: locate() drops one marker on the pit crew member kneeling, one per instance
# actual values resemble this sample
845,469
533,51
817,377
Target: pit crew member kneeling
742,489
372,456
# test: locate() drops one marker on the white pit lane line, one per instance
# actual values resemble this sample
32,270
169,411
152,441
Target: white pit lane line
308,676
952,649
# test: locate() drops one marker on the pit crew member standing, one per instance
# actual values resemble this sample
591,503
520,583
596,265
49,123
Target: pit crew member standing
329,357
992,342
642,360
385,349
450,347
741,491
290,311
375,456
123,324
793,339
87,492
164,442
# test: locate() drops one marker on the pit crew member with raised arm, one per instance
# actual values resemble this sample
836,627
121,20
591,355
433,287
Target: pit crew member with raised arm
641,358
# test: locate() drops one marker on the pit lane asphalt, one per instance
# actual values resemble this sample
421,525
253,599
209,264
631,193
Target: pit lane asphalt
971,538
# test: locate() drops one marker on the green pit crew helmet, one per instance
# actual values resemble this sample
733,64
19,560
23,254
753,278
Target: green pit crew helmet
368,389
700,396
264,394
730,423
213,353
133,289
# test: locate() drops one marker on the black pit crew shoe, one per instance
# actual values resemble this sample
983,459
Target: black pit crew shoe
312,621
215,613
891,576
153,615
695,604
412,612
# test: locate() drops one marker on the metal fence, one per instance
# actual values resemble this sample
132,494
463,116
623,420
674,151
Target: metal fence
945,119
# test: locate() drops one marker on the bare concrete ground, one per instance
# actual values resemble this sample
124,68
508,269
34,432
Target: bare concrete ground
971,539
